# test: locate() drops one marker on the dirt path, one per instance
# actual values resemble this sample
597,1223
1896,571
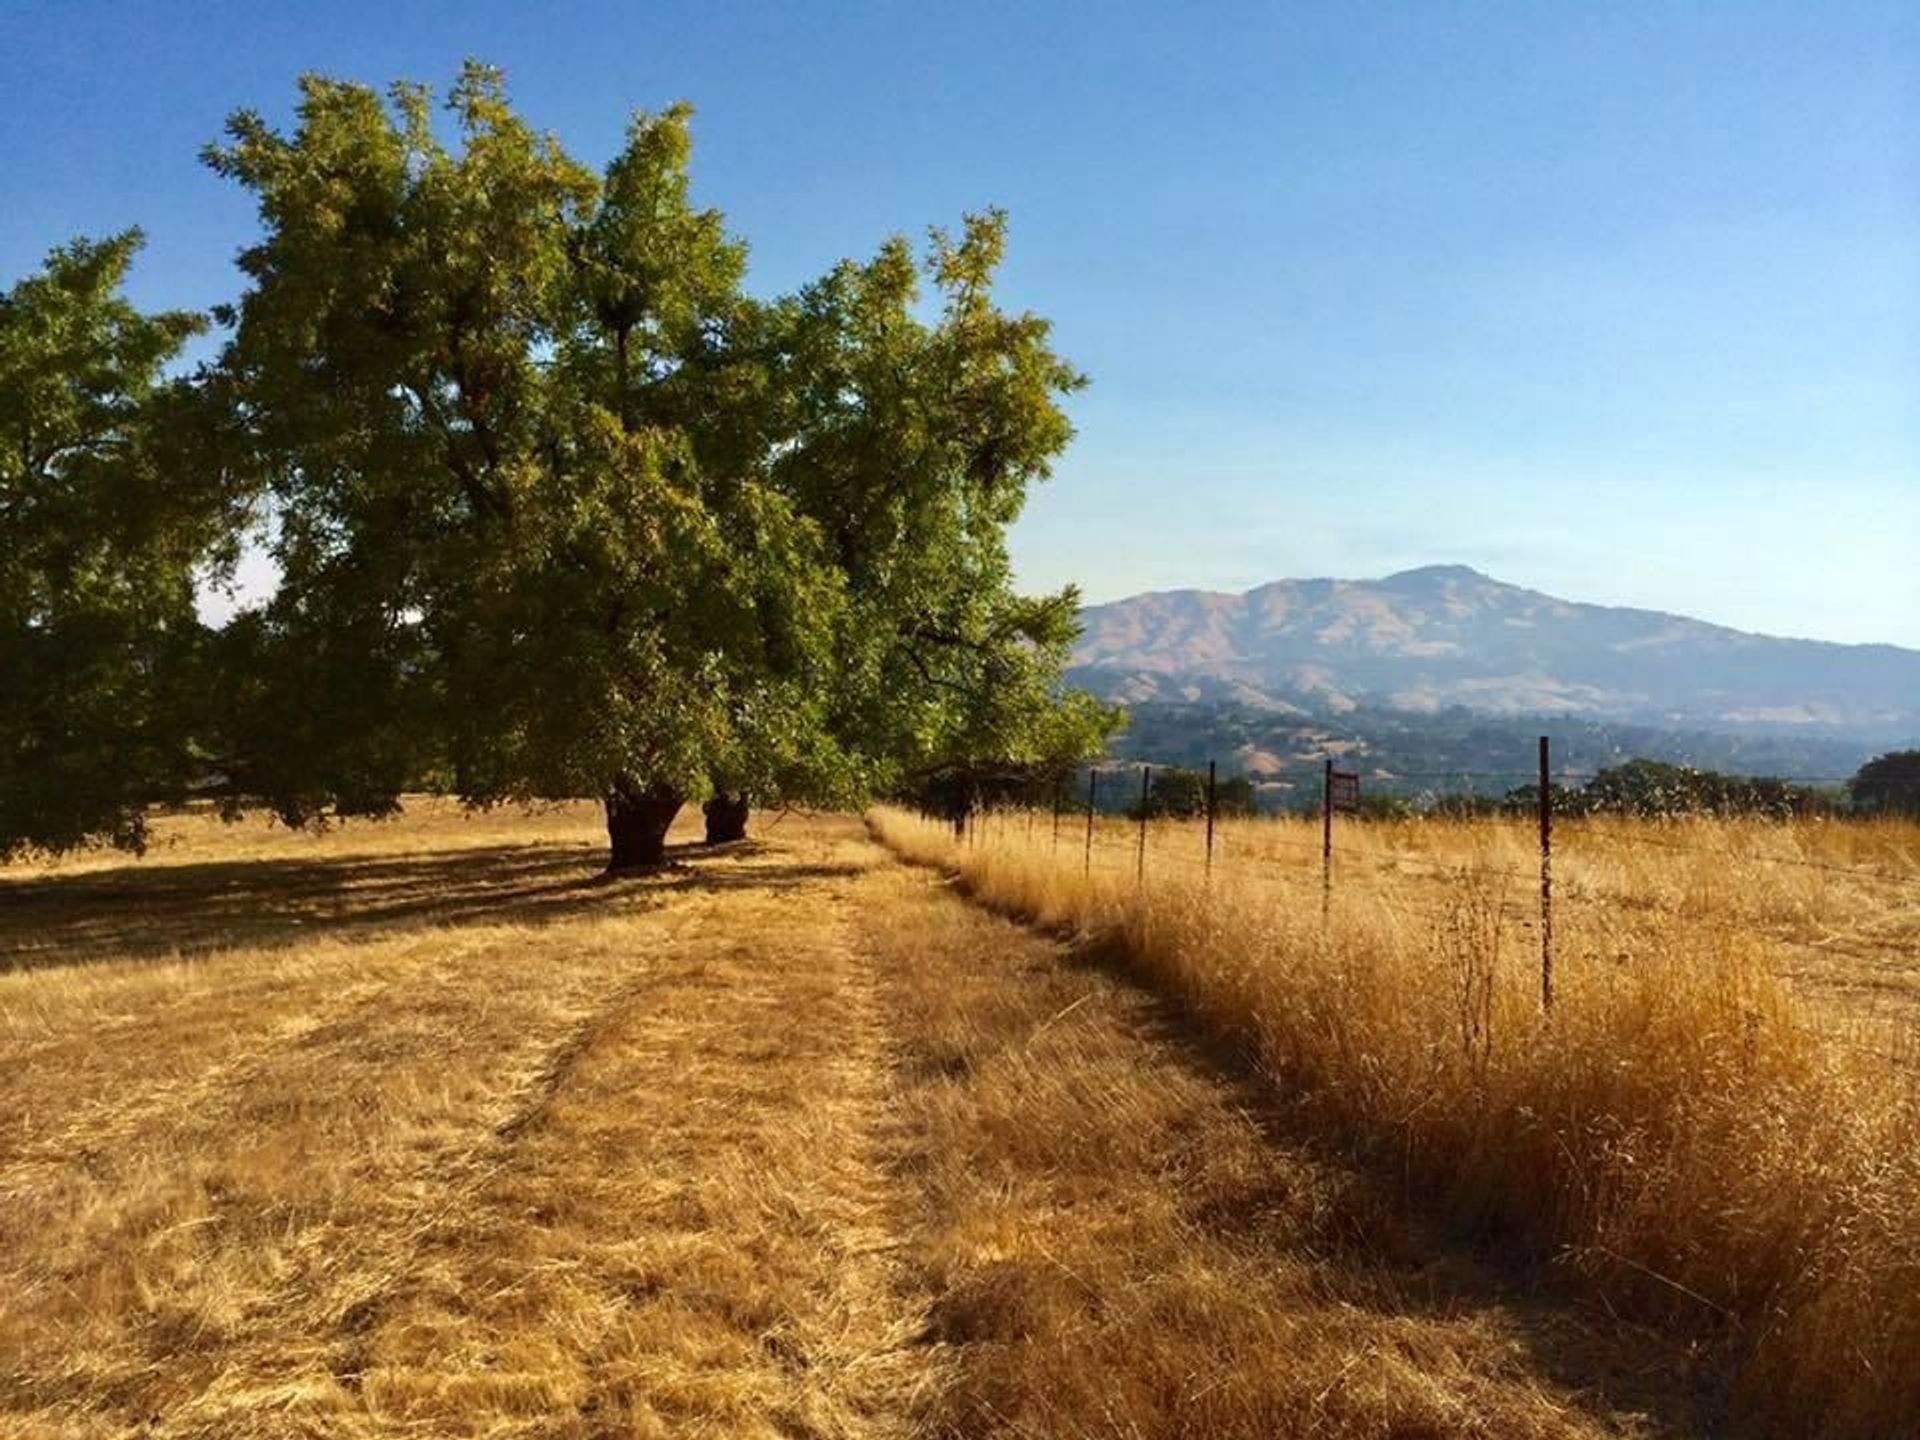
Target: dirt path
791,1143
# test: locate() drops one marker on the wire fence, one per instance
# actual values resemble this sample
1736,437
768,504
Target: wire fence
1840,899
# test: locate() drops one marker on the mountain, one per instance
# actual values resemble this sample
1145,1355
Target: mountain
1446,636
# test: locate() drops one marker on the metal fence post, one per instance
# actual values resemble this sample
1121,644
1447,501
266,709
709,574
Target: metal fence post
1140,866
1093,786
1546,879
1210,794
1326,841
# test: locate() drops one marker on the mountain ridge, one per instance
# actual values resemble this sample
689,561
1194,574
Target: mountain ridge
1448,635
1450,570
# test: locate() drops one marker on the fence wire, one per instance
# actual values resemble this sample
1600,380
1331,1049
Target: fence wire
1588,909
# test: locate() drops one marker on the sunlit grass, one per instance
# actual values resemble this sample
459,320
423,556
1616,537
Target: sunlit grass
1717,1125
421,1127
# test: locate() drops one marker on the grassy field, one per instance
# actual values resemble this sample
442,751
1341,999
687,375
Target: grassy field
1717,1131
419,1128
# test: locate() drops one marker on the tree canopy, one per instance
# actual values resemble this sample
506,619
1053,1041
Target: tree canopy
558,508
110,500
911,444
523,531
1888,784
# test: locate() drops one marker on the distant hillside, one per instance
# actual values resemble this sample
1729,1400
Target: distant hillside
1428,640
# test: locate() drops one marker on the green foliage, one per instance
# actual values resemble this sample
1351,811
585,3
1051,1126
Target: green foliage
1888,784
1172,793
1235,795
109,500
1400,807
1651,788
558,509
911,442
1177,793
1426,756
522,517
561,511
956,790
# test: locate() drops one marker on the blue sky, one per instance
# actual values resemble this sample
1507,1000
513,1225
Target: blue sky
1622,301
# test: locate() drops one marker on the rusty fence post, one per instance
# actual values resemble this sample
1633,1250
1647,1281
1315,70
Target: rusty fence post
1210,802
1546,879
1093,788
1140,865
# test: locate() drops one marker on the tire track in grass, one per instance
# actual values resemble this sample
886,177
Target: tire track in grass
261,1216
695,1236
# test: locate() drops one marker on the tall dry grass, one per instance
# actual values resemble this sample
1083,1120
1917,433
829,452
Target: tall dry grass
1120,1234
1711,1142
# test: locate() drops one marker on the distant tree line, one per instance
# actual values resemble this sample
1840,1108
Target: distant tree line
1475,746
1888,785
1174,792
1652,789
1655,789
1177,793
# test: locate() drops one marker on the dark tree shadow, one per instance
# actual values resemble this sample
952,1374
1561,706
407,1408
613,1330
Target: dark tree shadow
135,911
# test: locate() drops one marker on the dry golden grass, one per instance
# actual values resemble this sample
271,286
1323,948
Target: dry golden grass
417,1129
434,1134
1719,1127
1119,1237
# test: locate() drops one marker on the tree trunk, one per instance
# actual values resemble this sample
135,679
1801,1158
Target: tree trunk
726,818
638,818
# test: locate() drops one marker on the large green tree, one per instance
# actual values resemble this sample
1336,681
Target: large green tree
910,439
110,500
560,510
490,402
557,508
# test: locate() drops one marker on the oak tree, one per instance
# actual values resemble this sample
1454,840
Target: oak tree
108,507
558,509
911,441
487,391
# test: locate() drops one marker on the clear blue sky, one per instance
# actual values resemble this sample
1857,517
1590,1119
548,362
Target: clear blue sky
1619,301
